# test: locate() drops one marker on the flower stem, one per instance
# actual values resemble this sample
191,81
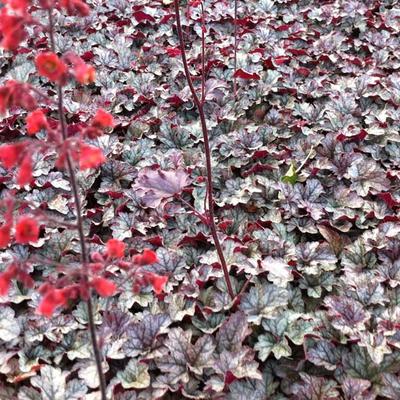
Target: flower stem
203,56
78,207
204,129
235,51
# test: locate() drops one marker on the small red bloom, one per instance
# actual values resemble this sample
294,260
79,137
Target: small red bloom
146,258
27,230
36,121
90,157
51,300
75,7
103,119
51,66
115,248
104,287
84,73
9,154
5,235
12,28
25,171
157,281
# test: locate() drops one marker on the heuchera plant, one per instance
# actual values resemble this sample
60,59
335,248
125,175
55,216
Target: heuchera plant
199,200
72,153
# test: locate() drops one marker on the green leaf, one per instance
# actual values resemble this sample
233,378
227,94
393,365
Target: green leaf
291,175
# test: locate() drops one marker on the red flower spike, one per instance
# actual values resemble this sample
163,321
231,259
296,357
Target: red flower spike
51,67
51,300
36,121
103,119
157,281
84,74
5,236
104,287
75,7
27,230
90,157
25,172
115,248
9,154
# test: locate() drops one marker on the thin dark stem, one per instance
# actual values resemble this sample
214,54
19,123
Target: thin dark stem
203,56
78,207
235,51
195,212
204,129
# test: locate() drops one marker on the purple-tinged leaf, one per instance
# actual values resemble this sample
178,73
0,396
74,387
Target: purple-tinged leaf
154,186
357,389
180,357
142,336
315,388
391,386
346,314
233,332
323,353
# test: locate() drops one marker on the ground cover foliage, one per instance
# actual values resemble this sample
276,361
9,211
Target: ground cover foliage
306,177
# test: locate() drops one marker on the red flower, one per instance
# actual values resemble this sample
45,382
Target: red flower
19,6
51,66
51,300
36,121
115,248
84,73
157,281
103,119
25,171
104,287
90,157
26,230
5,235
12,29
146,258
9,154
75,7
